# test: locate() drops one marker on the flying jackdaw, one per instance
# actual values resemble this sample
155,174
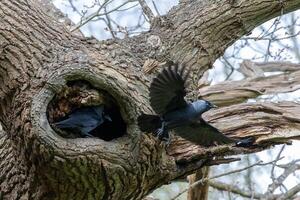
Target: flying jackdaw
167,92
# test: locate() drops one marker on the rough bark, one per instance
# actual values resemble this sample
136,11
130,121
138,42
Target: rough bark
256,83
38,55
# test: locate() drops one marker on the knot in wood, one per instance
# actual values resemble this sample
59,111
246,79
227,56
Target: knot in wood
154,41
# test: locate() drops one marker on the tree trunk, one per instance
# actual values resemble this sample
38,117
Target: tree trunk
39,56
199,192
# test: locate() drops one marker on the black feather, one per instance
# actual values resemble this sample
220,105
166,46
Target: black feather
149,123
203,134
167,90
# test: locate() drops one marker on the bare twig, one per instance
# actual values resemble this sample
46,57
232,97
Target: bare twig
290,168
274,164
290,193
272,39
147,11
259,163
98,13
156,9
109,25
248,177
234,189
230,66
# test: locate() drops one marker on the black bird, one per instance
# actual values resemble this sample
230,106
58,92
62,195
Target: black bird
167,92
84,120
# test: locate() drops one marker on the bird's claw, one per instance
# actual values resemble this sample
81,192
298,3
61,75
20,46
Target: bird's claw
167,140
163,135
160,133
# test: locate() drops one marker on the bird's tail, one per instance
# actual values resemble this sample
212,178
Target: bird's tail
149,123
246,142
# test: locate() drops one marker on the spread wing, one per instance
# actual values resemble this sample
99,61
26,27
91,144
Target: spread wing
167,90
203,134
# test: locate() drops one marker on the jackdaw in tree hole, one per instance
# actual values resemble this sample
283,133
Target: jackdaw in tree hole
167,92
84,120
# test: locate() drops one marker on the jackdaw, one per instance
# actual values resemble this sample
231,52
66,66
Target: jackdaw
84,120
167,92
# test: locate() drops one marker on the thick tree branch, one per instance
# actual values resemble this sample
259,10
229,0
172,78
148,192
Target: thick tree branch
269,123
194,40
233,92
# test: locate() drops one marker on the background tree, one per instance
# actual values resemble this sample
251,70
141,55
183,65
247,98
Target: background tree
40,58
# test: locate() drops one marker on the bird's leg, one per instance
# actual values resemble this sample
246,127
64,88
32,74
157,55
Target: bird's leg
165,136
167,140
162,133
159,132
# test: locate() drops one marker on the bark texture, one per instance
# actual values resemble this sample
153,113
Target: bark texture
255,84
38,55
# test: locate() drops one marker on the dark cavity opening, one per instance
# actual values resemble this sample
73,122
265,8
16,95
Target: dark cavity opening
82,111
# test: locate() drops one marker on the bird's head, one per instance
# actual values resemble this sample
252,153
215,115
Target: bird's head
210,105
203,105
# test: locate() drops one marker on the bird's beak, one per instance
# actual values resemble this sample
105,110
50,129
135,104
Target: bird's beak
214,106
108,118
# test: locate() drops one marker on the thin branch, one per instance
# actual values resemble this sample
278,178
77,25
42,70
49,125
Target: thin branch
272,39
248,177
109,25
290,193
230,66
90,17
98,14
147,11
259,163
273,167
291,168
156,9
234,189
